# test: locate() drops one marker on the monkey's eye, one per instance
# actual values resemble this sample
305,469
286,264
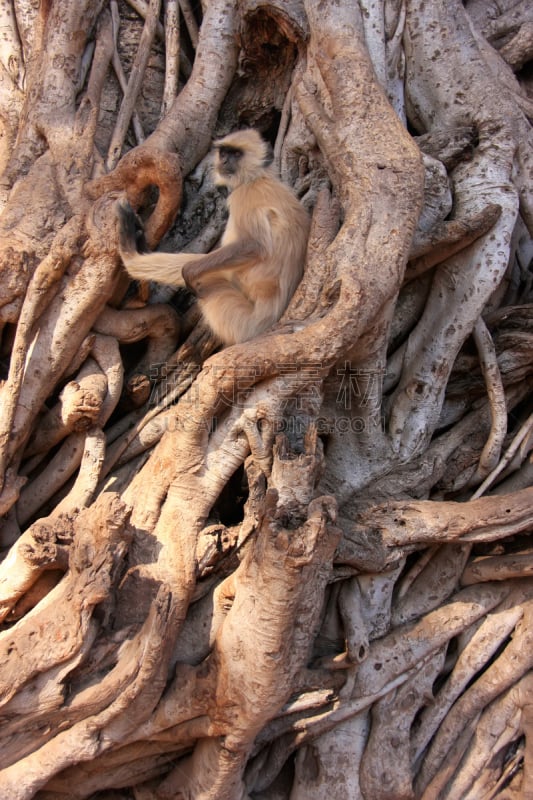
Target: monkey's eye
230,152
228,159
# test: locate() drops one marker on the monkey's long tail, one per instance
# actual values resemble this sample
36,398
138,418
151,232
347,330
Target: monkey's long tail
131,232
162,267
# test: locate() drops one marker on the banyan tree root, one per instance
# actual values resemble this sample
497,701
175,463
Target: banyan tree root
411,420
293,560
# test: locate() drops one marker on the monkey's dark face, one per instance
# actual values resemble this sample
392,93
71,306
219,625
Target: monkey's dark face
229,159
239,159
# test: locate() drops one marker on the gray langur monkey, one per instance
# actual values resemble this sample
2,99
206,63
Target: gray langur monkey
245,285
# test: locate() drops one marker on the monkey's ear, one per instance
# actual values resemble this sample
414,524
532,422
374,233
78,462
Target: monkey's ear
269,155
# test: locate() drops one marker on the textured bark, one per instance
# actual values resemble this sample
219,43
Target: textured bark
298,567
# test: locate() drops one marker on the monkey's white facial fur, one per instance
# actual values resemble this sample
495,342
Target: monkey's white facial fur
240,158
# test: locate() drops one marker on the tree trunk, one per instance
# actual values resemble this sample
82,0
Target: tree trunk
296,568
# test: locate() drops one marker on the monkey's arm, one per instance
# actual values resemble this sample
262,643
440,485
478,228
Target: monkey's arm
200,273
189,269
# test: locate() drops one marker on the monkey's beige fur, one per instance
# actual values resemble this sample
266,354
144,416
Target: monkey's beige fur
245,285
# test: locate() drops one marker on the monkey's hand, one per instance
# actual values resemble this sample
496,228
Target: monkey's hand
198,284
